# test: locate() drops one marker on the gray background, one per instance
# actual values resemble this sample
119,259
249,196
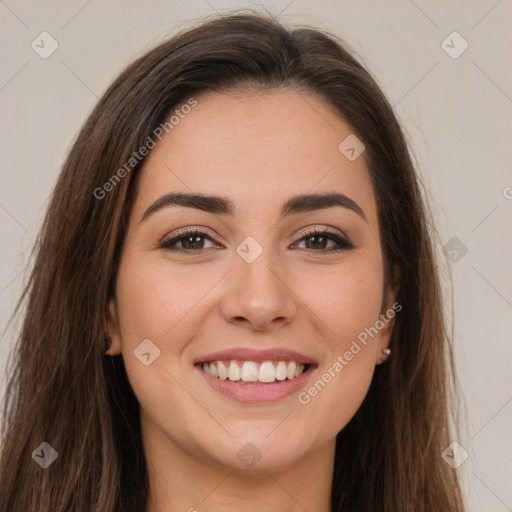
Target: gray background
456,112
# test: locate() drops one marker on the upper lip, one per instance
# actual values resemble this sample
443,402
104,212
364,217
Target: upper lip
258,356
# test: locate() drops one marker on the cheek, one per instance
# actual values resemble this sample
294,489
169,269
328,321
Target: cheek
346,298
155,302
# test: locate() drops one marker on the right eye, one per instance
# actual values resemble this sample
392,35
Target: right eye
190,240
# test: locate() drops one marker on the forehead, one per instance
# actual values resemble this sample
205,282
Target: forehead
257,148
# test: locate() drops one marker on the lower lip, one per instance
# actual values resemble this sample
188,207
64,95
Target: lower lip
253,394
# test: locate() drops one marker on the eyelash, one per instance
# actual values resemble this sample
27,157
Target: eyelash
343,245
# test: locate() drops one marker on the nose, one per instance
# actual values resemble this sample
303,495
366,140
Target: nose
258,295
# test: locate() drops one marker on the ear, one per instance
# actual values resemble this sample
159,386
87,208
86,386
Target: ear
388,312
113,329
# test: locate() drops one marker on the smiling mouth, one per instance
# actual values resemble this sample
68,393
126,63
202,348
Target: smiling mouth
254,373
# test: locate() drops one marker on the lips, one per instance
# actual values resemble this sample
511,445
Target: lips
258,356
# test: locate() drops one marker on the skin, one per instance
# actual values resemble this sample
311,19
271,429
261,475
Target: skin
257,150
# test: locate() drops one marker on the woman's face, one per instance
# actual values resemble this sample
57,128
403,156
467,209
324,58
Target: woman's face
255,285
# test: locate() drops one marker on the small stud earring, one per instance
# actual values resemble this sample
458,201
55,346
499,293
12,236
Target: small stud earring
385,354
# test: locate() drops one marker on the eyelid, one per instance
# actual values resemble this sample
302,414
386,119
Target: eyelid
192,230
327,230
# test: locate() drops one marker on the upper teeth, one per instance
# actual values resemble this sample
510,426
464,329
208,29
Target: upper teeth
250,372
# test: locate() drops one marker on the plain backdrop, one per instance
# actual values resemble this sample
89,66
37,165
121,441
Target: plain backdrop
454,105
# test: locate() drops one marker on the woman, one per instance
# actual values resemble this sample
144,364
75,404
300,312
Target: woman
235,300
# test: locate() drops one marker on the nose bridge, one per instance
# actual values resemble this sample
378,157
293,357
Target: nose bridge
258,291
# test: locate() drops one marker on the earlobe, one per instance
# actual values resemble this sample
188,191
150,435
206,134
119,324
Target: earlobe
383,348
113,341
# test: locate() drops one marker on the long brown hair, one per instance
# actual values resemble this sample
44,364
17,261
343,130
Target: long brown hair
62,388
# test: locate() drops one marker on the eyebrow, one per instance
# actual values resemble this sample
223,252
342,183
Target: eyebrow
221,205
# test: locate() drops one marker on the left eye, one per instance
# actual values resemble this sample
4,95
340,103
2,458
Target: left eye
324,237
191,242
